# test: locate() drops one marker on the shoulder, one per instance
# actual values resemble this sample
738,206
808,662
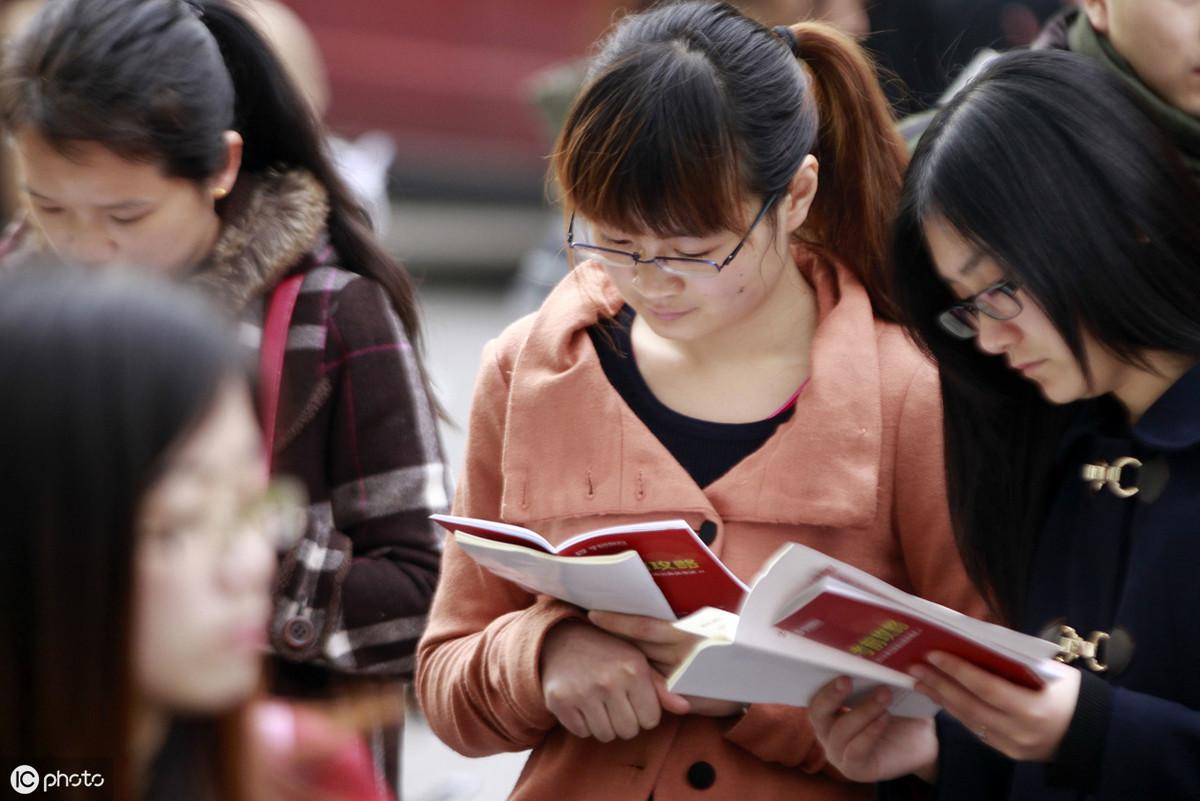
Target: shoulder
908,376
506,348
349,304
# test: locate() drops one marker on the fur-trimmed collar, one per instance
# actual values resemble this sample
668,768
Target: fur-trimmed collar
270,222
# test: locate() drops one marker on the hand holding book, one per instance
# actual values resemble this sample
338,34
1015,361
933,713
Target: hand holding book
865,743
665,647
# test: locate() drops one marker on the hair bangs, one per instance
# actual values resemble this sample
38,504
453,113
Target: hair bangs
661,158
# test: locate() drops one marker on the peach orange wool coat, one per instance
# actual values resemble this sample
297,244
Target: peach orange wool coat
857,472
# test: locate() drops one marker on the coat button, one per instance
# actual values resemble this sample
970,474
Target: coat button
701,775
707,532
299,633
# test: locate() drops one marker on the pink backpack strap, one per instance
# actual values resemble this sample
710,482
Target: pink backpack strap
270,356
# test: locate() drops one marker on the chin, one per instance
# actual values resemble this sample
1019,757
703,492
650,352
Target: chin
1060,395
221,689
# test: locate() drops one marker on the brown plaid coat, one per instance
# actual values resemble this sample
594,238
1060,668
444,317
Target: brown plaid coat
355,424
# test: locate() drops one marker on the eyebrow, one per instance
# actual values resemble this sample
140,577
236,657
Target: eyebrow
124,204
971,263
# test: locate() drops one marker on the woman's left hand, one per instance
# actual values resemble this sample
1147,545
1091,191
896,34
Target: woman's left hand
1023,724
665,648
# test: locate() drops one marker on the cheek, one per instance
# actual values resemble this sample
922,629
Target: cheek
181,661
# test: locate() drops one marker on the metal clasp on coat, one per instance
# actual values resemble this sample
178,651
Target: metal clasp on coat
1072,646
1103,475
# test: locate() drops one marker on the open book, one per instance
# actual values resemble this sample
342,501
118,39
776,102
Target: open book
810,618
660,569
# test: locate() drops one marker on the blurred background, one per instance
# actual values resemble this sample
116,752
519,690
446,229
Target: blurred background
442,115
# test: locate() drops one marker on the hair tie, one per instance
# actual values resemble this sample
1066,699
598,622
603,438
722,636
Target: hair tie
786,33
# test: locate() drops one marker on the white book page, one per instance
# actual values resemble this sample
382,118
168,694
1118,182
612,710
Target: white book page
614,583
735,672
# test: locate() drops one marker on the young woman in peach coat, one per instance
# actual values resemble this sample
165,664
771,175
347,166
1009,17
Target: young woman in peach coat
722,353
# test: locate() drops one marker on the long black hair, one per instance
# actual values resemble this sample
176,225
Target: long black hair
691,107
161,81
103,374
1049,164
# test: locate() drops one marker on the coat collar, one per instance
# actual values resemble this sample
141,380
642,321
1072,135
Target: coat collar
1173,422
595,457
270,222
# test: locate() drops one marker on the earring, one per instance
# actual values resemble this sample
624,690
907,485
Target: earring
220,192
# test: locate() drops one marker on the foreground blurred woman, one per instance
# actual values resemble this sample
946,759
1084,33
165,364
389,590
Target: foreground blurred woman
138,549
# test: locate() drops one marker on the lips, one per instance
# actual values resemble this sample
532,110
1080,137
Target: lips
1025,367
668,314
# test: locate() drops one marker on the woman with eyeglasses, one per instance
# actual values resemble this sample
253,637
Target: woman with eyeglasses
166,136
140,534
721,353
1047,254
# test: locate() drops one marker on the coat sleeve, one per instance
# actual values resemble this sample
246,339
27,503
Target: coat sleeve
366,572
1127,744
921,509
478,673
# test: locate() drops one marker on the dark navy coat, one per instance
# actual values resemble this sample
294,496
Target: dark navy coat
1105,563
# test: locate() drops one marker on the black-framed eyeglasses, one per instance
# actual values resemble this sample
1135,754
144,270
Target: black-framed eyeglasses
682,266
998,301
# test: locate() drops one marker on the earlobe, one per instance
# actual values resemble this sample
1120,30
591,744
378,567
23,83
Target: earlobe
1097,11
222,183
801,193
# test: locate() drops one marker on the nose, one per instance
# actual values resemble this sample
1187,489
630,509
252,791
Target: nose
247,565
90,248
995,336
653,281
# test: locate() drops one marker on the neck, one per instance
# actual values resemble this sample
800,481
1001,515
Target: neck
150,726
208,243
1145,386
780,328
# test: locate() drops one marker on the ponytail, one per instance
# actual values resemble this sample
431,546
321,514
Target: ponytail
280,129
862,159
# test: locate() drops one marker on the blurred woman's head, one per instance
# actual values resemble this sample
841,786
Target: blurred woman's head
701,137
1047,175
135,584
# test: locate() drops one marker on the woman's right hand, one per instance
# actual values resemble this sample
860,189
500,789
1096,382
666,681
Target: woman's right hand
865,743
598,685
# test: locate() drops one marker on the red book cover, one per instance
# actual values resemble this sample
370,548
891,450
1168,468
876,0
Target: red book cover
688,573
892,637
